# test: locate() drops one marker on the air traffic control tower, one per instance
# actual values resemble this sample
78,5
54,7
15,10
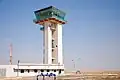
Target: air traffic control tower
51,20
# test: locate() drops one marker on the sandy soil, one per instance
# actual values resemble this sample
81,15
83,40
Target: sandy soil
73,76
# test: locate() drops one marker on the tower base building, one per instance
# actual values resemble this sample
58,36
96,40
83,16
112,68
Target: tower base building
24,70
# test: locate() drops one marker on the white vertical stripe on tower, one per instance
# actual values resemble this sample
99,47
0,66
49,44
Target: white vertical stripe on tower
48,43
59,35
44,55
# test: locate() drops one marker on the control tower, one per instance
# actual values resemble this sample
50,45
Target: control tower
51,19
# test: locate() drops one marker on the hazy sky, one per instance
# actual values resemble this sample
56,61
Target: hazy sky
91,34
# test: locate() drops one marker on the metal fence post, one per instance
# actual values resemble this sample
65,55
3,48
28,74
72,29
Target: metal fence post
43,77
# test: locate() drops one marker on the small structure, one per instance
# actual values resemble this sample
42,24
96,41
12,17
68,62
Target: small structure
25,69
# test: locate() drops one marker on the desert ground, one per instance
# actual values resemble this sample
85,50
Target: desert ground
74,76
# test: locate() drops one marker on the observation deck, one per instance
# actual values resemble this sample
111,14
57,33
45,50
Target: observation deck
51,14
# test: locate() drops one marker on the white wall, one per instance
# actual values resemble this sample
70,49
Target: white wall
48,43
9,70
59,35
11,73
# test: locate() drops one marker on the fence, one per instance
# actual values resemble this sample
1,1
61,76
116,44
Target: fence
2,72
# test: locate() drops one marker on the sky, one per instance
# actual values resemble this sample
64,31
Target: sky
91,36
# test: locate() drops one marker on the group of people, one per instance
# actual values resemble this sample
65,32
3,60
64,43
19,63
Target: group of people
49,75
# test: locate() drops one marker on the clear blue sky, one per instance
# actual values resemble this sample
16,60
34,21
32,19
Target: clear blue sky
91,34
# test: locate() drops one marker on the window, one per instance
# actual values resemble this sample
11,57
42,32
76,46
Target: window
52,33
35,70
56,46
56,14
52,50
52,40
42,70
28,70
52,60
50,13
48,70
22,71
15,70
52,43
54,70
60,71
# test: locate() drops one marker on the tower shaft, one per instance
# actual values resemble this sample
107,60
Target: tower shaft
52,43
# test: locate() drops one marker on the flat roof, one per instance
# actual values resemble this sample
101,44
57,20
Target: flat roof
43,9
48,8
35,64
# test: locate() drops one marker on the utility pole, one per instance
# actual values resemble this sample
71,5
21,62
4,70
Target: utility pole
78,61
10,61
73,64
18,68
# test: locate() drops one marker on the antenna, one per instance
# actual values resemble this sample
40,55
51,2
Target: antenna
10,54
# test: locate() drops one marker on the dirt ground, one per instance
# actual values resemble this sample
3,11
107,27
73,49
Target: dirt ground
67,78
85,76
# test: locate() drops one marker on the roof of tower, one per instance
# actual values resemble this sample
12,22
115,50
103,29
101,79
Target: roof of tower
51,14
44,9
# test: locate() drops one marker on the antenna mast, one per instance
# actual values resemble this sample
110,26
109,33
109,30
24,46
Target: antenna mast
10,54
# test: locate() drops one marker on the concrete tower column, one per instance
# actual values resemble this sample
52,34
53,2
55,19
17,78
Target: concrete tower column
47,43
59,44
